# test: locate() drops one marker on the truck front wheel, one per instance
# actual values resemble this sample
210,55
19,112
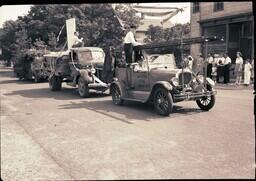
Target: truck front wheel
55,83
163,101
83,88
206,103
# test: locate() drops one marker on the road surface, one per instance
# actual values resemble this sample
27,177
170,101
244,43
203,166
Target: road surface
58,135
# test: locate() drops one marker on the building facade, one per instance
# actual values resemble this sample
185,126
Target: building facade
232,20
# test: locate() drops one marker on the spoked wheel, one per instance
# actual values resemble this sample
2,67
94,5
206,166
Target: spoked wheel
116,95
83,88
163,101
206,103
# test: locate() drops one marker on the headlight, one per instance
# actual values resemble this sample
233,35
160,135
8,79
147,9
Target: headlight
210,81
200,78
93,70
175,81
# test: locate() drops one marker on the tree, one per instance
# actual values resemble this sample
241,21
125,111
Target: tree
96,23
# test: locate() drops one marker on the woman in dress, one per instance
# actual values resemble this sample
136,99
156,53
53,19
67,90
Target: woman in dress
247,72
238,68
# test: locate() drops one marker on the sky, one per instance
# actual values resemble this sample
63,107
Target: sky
11,12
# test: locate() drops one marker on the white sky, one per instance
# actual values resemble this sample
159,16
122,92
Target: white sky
11,12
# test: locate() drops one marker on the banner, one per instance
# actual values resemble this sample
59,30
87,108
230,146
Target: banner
71,28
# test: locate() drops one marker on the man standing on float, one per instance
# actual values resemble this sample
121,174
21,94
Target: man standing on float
129,43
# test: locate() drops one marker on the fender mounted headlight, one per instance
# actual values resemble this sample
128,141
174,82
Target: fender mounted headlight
210,81
175,81
201,78
93,70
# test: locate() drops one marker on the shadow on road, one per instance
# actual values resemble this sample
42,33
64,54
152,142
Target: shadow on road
64,94
6,72
17,81
130,110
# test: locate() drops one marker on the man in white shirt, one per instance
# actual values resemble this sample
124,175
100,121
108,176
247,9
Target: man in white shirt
129,43
227,65
76,41
210,61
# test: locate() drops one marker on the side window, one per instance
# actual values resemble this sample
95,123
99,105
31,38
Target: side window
196,7
218,6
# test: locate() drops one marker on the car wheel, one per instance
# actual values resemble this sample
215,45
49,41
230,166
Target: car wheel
36,79
206,103
83,88
163,101
55,83
116,95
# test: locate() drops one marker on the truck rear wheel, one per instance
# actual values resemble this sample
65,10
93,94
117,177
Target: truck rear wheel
83,88
55,83
116,95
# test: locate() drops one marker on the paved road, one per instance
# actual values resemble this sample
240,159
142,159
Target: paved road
58,135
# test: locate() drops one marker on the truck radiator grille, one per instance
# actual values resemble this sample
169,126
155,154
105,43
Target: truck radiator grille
187,78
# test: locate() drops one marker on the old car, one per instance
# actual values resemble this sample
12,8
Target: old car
157,79
82,66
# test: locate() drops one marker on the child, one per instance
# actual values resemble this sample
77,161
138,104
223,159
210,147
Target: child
247,72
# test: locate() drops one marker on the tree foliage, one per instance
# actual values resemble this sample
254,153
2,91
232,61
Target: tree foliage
156,34
40,28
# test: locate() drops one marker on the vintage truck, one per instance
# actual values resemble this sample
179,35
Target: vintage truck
162,80
32,66
82,66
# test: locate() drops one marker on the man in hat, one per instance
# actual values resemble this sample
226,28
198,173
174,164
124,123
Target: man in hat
129,43
77,42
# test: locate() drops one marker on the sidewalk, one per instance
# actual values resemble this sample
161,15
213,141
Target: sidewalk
233,86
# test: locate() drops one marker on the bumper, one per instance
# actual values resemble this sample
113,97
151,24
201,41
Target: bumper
192,96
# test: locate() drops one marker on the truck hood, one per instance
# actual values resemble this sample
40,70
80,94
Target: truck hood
165,74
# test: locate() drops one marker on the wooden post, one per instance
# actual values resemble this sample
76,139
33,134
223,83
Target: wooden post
227,36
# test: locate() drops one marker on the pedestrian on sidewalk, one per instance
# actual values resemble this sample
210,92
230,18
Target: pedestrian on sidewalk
247,72
239,68
227,65
220,67
209,65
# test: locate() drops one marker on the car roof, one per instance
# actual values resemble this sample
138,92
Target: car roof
88,48
57,54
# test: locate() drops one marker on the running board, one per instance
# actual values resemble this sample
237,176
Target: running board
140,96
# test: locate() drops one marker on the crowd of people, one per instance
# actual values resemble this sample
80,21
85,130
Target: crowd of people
219,65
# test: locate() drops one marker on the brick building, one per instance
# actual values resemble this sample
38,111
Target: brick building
232,20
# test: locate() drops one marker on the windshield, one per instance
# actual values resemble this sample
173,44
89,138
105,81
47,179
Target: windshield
162,61
88,57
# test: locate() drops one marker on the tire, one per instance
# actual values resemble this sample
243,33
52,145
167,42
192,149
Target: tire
83,88
206,103
36,79
163,102
116,95
55,83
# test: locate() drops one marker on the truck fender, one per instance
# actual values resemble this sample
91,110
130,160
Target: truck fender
85,75
164,84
